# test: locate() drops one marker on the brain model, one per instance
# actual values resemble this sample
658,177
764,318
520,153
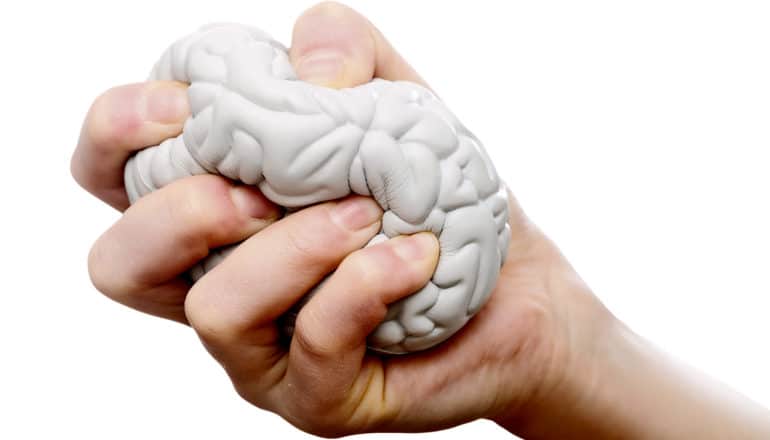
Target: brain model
254,122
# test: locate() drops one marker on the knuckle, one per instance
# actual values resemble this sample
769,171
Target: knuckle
318,240
102,278
77,172
202,208
95,272
304,245
105,125
307,337
363,266
206,319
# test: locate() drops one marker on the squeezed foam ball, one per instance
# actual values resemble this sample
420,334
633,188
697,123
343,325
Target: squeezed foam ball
254,122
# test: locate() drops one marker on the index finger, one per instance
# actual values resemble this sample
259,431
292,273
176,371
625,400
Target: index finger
121,121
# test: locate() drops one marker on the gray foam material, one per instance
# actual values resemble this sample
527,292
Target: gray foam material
254,122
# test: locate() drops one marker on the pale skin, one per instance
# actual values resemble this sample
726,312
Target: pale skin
544,358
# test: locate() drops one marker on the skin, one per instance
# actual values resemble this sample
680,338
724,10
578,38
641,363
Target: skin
544,358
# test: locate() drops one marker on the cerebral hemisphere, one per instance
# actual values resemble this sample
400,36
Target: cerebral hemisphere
254,122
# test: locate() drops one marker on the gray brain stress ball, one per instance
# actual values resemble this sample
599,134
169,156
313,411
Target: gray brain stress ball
253,121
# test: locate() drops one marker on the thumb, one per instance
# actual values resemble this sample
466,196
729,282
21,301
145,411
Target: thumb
335,46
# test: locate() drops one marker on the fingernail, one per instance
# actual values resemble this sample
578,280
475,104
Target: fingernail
252,203
322,67
356,213
415,247
166,104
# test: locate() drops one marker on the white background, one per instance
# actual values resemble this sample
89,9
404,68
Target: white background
637,134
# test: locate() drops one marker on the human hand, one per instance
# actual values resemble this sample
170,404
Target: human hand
530,359
325,383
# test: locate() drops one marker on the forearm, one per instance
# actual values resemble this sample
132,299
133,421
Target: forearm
628,389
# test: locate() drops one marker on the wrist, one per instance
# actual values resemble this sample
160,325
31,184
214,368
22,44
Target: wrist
582,397
622,386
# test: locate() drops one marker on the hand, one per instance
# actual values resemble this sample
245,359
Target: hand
517,348
543,357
